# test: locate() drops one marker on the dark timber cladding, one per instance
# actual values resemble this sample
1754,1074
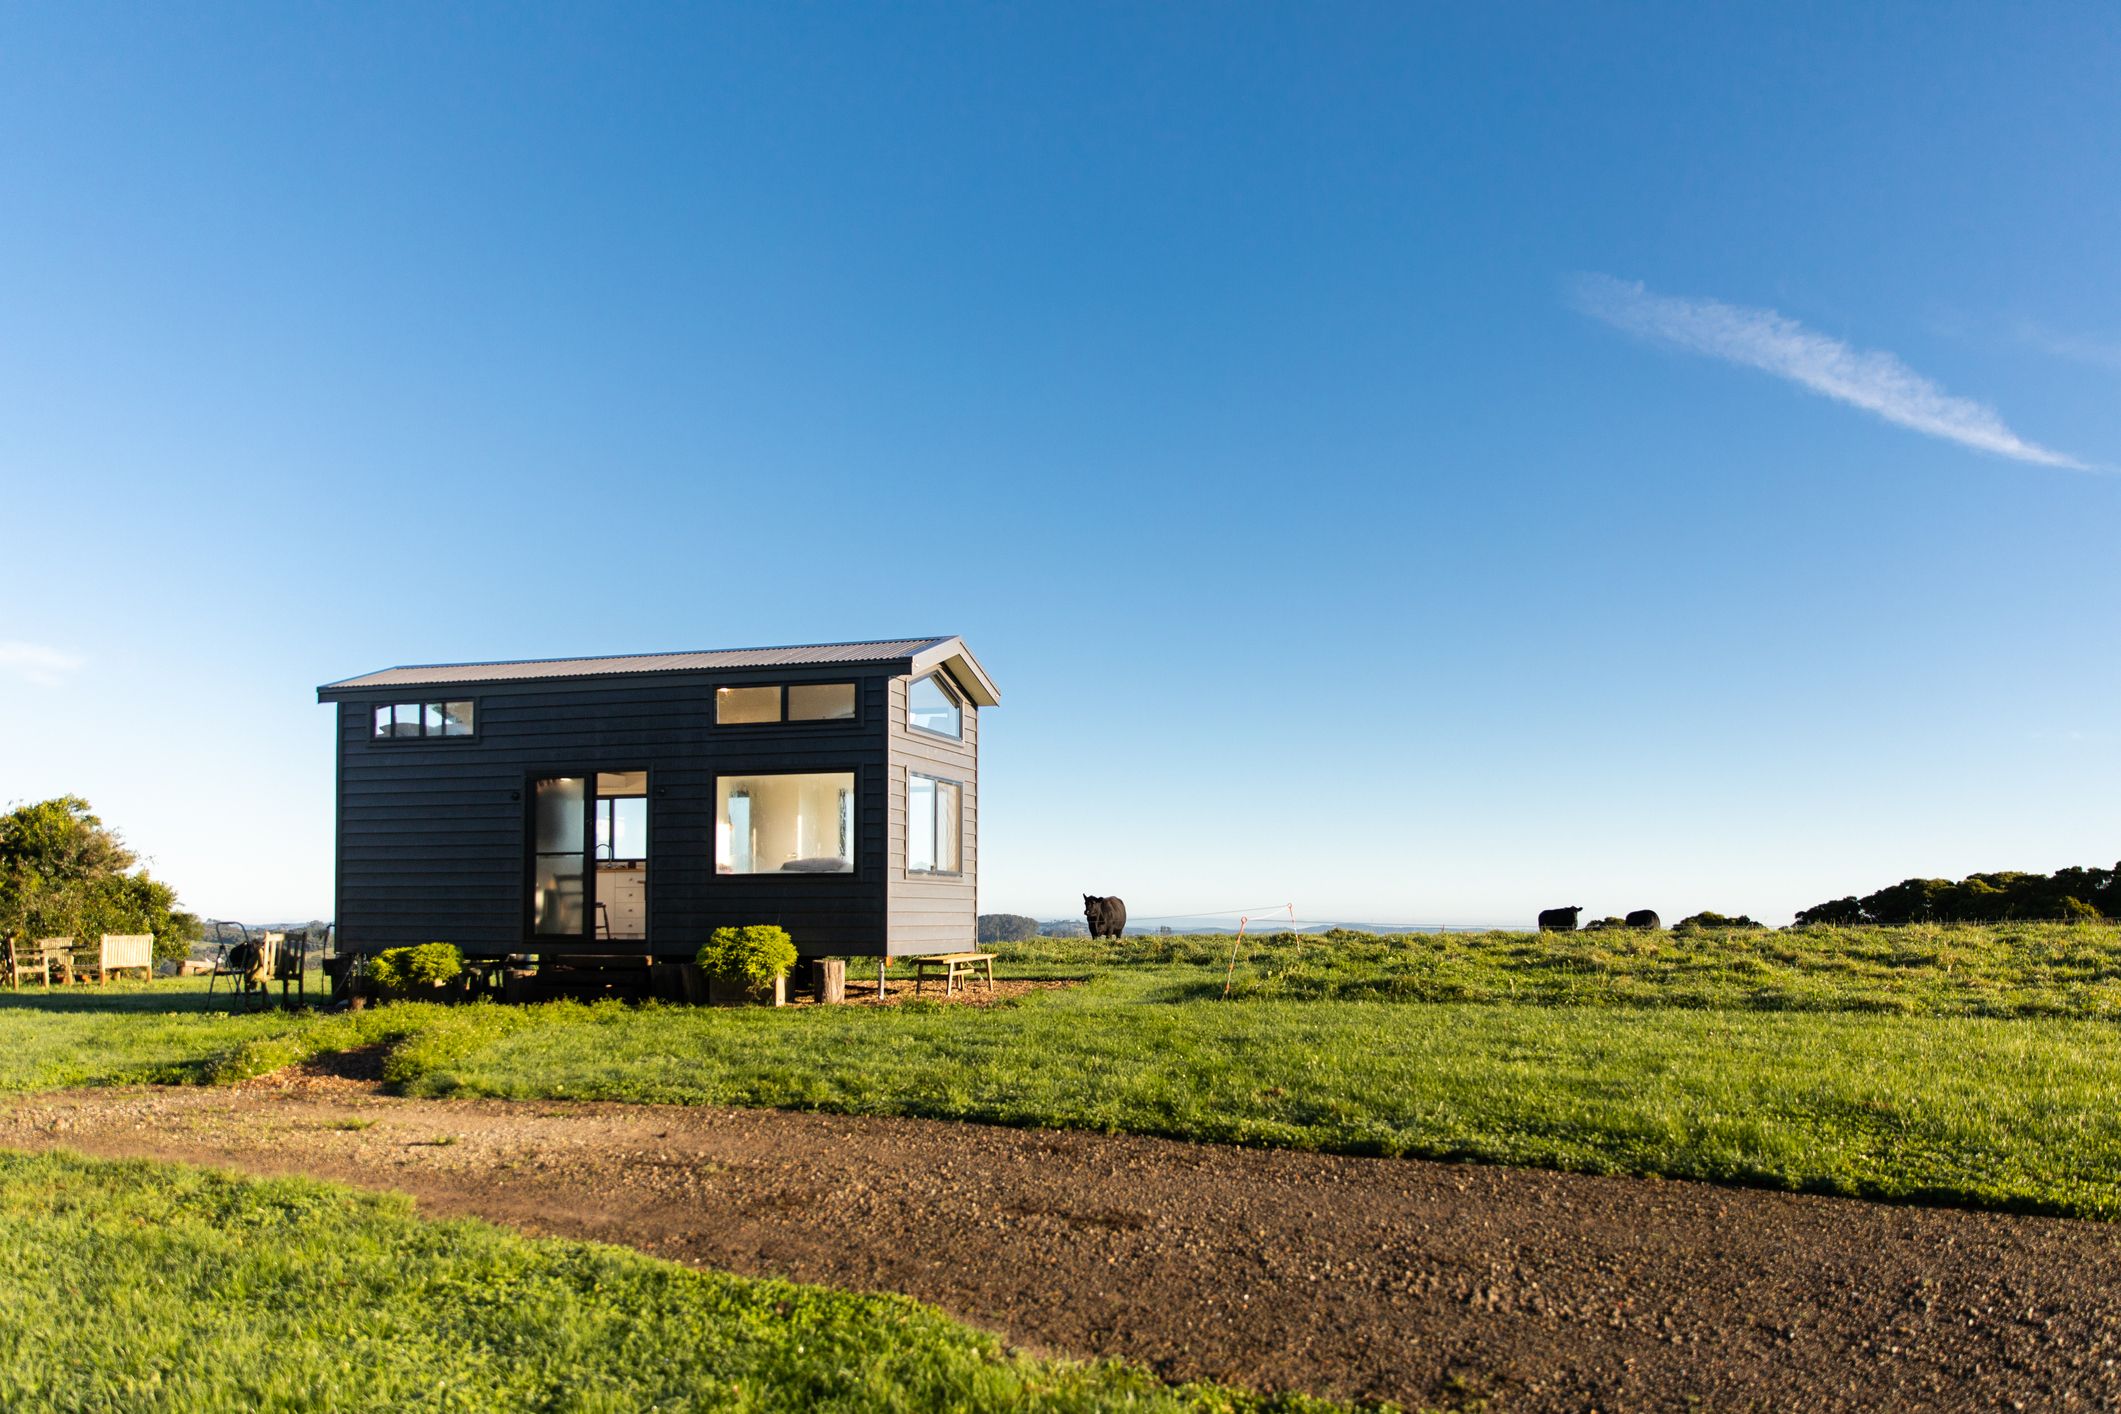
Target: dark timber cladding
606,805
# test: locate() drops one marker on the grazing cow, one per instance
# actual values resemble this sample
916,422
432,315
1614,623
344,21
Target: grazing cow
1559,920
1107,917
1645,918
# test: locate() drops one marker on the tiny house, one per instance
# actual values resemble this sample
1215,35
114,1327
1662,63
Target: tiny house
631,805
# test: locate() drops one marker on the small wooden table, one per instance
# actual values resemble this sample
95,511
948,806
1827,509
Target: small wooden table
954,965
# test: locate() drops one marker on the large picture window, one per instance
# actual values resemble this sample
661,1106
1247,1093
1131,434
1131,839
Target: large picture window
785,824
933,706
934,810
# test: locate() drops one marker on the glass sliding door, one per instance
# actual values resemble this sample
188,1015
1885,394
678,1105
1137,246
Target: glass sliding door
558,862
621,813
589,857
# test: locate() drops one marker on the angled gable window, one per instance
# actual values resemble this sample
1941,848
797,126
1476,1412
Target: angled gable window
933,706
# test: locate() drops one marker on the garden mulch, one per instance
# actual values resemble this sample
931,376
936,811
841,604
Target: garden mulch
1366,1278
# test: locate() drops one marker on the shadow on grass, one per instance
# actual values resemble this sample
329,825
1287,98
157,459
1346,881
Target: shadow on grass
138,1000
1622,995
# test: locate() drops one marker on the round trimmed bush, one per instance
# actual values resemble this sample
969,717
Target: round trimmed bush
758,955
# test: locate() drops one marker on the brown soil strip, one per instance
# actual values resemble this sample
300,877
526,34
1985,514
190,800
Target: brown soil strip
1344,1276
861,990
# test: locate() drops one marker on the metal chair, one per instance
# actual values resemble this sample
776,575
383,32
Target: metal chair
244,961
260,960
233,956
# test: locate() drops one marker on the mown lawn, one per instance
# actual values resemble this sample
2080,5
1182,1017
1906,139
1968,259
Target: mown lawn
2012,1114
2028,969
1971,1066
130,1287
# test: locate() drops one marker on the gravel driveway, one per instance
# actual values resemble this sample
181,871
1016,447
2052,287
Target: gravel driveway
1381,1278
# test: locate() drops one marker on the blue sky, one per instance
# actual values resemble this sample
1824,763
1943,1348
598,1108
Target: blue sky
1423,464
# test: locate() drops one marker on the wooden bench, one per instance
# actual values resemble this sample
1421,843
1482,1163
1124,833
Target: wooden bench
954,965
119,952
58,956
23,962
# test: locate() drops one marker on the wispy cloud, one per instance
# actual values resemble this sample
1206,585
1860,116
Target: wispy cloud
36,664
1760,338
2084,348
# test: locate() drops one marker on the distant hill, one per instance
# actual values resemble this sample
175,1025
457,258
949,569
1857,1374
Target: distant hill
209,943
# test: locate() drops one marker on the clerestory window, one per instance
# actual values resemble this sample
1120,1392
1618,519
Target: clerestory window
396,721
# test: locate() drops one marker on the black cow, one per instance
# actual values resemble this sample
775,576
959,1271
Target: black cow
1645,918
1559,920
1107,917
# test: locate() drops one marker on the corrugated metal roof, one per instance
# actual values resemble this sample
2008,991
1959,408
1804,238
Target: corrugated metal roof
436,674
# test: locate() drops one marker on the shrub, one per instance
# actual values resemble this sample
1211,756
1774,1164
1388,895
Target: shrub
758,955
1705,919
400,970
2076,910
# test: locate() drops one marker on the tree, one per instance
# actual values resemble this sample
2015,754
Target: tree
1834,913
2076,894
1909,901
1006,927
63,872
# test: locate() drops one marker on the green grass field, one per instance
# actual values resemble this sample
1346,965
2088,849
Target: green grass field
141,1287
1967,1065
2034,969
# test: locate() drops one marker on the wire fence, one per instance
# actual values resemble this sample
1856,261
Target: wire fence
1227,919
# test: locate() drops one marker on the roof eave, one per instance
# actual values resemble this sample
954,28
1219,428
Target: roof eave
334,691
952,655
949,654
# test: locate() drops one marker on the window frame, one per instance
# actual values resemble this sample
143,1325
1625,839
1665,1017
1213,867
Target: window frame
780,704
950,690
780,688
714,816
955,784
420,707
852,719
602,810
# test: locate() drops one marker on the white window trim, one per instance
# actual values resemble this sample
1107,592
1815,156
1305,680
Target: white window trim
932,873
949,689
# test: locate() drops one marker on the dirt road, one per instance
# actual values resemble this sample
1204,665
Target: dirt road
1353,1277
